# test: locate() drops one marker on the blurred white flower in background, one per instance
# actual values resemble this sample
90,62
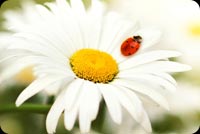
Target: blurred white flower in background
78,50
184,104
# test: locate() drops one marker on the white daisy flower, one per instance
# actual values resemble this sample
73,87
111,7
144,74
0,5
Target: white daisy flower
78,50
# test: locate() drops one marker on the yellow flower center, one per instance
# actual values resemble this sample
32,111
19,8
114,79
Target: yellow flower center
194,28
94,65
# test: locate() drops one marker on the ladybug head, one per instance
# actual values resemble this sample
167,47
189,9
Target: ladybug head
137,38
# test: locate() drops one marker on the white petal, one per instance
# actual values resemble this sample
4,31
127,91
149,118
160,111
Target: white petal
69,26
4,39
63,4
45,63
114,31
89,105
95,20
91,28
48,37
44,12
147,57
36,86
84,110
162,66
72,102
141,88
97,8
162,75
13,53
127,30
14,21
166,76
144,120
150,36
94,100
85,29
14,65
30,14
151,79
112,103
59,70
124,30
55,87
94,33
54,114
145,123
78,7
133,107
38,43
70,116
73,91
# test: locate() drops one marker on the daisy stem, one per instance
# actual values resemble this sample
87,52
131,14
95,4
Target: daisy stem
27,107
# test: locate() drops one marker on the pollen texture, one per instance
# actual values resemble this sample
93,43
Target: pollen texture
94,65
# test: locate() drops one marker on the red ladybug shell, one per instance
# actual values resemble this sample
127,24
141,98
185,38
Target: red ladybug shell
131,45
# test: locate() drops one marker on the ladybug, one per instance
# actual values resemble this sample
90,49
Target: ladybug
131,45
